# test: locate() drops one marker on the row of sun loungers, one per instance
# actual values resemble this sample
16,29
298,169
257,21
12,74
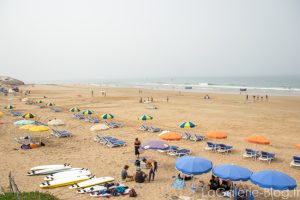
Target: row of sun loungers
175,151
15,113
113,124
61,134
260,155
149,128
221,148
192,137
109,141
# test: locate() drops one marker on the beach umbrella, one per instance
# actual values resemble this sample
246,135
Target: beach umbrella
24,122
27,126
298,146
257,139
9,107
216,134
107,116
88,112
39,128
168,135
187,125
1,114
50,104
274,180
145,117
232,172
39,101
75,109
156,145
56,122
29,116
99,127
193,165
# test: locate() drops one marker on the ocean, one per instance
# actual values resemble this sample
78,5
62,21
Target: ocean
262,85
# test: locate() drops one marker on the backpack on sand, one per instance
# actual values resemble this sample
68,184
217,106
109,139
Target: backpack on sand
132,193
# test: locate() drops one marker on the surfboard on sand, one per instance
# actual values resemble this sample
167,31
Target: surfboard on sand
41,167
95,188
68,173
64,182
94,181
48,170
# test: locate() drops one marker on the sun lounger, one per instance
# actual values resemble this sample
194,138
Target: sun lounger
40,123
25,140
186,136
113,124
93,120
197,138
61,134
295,162
265,156
153,129
211,146
56,110
178,184
143,128
222,148
167,150
250,153
180,152
15,113
115,143
78,116
109,141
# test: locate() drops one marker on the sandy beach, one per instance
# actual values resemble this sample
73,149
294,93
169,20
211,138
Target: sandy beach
276,119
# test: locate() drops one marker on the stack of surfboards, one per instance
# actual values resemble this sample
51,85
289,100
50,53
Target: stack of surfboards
64,175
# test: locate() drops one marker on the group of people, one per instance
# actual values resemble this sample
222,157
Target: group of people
258,97
140,176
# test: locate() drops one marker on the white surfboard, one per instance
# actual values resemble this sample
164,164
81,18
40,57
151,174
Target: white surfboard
68,173
64,181
94,181
41,167
95,188
48,171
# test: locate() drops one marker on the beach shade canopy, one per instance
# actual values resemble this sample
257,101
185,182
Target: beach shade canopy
275,180
257,139
193,165
50,104
27,126
145,117
29,116
1,114
168,135
99,127
24,122
216,134
156,145
56,122
298,146
232,172
9,107
187,125
88,112
107,116
74,109
39,128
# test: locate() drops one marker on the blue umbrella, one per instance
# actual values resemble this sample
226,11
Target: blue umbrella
273,180
156,145
193,165
232,172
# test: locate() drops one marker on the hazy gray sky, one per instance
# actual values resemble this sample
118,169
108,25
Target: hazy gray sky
89,39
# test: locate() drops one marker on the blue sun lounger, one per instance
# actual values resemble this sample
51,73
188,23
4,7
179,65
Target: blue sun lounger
250,153
295,162
265,156
222,148
211,146
179,152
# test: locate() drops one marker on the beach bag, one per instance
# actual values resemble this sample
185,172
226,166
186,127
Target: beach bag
132,193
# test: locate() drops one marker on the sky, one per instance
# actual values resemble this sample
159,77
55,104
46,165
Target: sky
95,39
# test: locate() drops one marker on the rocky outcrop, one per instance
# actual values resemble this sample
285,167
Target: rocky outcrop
8,81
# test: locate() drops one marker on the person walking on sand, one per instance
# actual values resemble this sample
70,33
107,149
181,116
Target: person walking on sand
267,98
137,145
167,99
92,93
247,97
151,173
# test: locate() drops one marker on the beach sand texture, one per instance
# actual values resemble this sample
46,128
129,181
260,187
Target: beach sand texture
278,120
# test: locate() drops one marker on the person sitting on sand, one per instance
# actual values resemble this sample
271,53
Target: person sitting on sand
140,176
124,174
225,185
214,183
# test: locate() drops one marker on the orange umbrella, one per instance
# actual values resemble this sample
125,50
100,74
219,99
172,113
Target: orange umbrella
258,139
216,134
298,146
167,135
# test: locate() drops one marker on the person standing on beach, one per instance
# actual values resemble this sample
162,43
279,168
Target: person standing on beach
253,97
247,97
151,173
92,93
167,99
267,98
137,145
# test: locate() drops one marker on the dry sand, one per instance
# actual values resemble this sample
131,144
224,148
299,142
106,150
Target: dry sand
277,120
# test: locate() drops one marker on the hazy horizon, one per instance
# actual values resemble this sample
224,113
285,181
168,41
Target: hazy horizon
85,40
